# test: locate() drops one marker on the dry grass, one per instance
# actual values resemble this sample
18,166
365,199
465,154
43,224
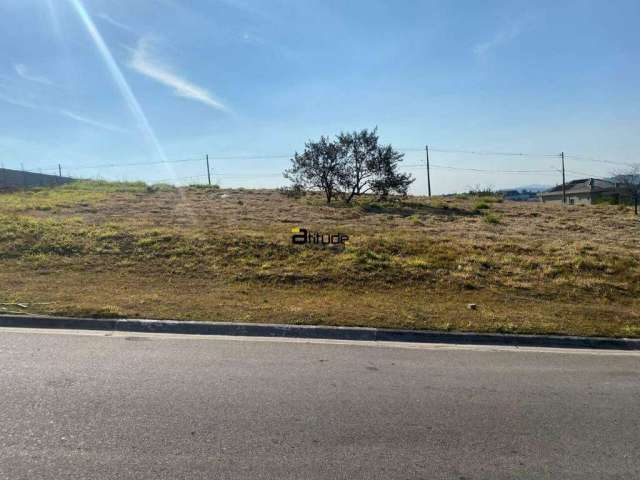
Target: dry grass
197,253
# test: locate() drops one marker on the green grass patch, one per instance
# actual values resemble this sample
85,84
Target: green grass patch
78,193
493,218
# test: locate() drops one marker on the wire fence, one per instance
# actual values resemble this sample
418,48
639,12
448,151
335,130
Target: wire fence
446,159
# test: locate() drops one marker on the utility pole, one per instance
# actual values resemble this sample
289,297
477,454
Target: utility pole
208,170
428,172
564,191
59,170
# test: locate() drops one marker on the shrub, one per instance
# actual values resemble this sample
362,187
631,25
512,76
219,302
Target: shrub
295,191
481,191
492,218
606,200
201,186
415,219
159,187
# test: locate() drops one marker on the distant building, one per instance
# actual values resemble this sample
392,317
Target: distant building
518,195
14,179
585,191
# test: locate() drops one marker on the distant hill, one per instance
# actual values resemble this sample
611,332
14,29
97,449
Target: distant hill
14,179
531,188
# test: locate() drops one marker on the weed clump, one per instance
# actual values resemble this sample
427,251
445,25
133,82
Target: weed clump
492,218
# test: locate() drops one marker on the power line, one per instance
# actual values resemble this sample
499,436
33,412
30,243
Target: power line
588,175
192,177
249,157
480,152
224,175
230,175
478,170
581,158
182,160
283,156
241,175
120,165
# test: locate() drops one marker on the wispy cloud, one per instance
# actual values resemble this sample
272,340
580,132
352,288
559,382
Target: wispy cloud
54,20
23,72
13,100
502,37
142,62
115,23
89,121
17,102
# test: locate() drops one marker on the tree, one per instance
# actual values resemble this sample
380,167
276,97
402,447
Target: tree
629,180
352,164
320,166
370,166
360,149
387,179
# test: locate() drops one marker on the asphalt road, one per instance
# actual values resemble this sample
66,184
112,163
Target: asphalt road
95,406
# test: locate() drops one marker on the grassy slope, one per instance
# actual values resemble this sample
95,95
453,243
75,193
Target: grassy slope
94,248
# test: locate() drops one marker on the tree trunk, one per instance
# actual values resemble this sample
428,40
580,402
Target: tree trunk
328,193
351,195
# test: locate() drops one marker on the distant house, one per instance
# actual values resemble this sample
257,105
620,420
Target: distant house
584,191
517,195
13,179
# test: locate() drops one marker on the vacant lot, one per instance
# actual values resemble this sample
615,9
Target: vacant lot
105,249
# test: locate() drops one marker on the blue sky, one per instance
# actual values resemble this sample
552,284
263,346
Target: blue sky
119,82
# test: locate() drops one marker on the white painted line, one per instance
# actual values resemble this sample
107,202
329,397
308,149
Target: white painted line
315,341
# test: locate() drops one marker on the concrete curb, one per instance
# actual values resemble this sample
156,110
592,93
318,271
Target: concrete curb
317,332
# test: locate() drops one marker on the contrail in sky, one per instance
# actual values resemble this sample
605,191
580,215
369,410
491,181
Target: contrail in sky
121,82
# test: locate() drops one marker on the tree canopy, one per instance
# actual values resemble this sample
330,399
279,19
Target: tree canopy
350,165
629,179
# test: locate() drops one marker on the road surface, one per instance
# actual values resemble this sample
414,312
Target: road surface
95,406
